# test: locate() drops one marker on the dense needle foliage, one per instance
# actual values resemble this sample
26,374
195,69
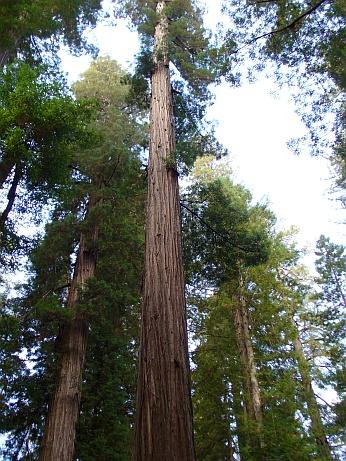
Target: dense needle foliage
267,338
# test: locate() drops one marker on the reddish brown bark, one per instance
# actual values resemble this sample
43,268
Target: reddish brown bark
59,435
164,412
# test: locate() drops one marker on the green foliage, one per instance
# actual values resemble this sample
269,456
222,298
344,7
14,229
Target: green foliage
330,321
194,66
73,153
218,378
110,172
38,121
222,229
25,382
30,28
212,394
331,268
41,125
242,257
105,426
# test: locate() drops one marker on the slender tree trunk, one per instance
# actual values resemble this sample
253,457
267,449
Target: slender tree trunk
239,414
317,427
230,444
60,429
252,396
11,196
164,412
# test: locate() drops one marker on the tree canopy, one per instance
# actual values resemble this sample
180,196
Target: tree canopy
115,284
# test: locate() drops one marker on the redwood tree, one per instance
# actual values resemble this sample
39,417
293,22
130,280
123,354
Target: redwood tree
60,428
171,31
59,437
317,428
164,414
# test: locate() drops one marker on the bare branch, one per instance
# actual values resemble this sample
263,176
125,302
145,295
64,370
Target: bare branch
319,397
289,26
256,2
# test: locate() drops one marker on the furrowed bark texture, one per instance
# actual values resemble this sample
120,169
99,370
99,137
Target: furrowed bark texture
252,396
164,412
60,429
317,427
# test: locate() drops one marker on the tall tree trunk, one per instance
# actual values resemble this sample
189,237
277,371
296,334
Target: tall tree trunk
164,411
60,429
252,396
317,427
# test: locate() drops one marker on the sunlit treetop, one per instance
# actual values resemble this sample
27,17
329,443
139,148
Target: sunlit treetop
189,43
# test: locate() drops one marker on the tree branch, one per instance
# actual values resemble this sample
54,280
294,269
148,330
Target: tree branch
5,169
53,290
224,237
284,28
324,401
107,182
256,2
11,197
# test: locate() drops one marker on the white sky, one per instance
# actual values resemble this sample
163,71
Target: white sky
255,127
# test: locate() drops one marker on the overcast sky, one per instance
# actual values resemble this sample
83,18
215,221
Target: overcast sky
255,126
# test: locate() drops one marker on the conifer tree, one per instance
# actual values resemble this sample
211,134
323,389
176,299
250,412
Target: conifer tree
59,437
109,173
228,210
164,413
317,427
40,127
31,28
225,423
329,320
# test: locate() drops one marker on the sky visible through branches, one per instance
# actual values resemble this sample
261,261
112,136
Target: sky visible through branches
254,122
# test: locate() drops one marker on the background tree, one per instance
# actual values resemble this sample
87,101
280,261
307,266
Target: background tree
30,29
329,323
118,247
41,125
225,424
